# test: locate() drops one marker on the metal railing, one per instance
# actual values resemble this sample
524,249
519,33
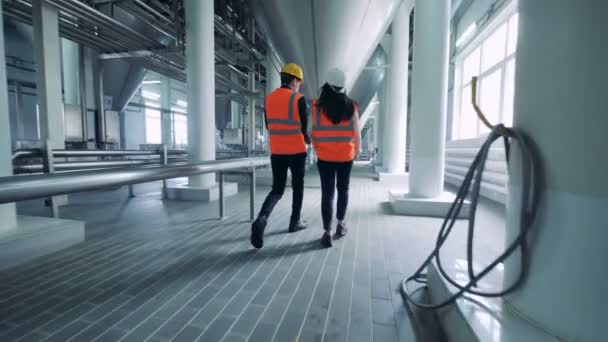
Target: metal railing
30,159
96,153
20,188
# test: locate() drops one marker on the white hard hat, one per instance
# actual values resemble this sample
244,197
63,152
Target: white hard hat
336,78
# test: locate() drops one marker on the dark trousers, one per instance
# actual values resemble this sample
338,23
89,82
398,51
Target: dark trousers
334,175
280,164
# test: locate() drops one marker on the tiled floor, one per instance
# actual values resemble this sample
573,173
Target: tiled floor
161,271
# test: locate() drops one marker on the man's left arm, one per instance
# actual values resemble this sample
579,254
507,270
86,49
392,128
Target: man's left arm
304,115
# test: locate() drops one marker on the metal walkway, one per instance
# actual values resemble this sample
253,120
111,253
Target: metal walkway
161,271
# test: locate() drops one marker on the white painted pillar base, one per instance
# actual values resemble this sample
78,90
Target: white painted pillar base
403,203
400,180
200,57
185,192
560,101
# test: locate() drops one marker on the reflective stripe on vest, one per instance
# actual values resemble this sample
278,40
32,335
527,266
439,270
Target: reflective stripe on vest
333,142
319,126
289,121
334,139
286,131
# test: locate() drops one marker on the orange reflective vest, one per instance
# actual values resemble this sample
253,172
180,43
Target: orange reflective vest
333,142
284,126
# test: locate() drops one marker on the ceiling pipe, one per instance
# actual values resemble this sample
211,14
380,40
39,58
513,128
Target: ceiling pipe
79,8
140,14
75,27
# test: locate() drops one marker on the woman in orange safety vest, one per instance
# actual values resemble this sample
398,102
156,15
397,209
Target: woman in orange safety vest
335,137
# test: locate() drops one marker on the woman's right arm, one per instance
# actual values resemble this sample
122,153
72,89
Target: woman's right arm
357,132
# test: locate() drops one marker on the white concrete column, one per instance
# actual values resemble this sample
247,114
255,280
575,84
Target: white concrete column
560,102
8,218
372,133
89,57
166,116
273,81
47,53
201,86
395,128
382,122
429,97
386,43
70,67
376,130
370,111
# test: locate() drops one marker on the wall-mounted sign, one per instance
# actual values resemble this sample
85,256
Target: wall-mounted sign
107,102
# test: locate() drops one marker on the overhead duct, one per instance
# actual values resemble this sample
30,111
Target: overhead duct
370,79
320,34
121,78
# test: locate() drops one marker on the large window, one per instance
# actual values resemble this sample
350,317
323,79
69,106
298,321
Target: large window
180,126
153,123
493,61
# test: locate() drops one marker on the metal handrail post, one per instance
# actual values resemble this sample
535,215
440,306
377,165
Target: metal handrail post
49,167
252,194
164,160
131,192
222,198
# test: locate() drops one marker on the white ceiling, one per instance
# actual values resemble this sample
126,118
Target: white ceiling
321,34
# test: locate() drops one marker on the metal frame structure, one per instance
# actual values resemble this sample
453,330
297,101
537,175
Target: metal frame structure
91,27
97,24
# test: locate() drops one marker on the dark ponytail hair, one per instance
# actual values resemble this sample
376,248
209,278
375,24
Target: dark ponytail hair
337,106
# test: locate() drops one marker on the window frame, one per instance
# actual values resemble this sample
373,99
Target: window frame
503,18
150,105
174,114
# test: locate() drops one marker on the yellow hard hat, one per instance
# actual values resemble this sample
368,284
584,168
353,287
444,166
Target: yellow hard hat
294,70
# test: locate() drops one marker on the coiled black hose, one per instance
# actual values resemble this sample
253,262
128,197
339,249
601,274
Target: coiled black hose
531,172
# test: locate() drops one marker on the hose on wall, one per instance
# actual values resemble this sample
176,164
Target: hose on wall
531,185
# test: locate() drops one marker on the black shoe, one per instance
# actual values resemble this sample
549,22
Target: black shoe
326,240
257,232
295,226
341,230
